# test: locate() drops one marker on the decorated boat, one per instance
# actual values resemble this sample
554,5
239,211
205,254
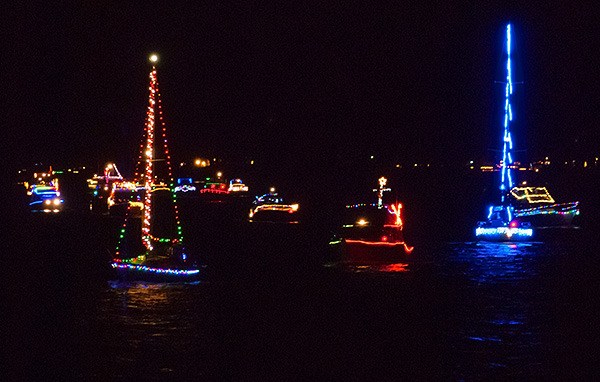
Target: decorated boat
520,209
501,223
271,208
237,186
372,232
126,196
45,197
158,254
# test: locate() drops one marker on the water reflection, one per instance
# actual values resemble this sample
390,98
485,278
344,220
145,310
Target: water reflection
370,267
493,263
144,320
145,296
498,323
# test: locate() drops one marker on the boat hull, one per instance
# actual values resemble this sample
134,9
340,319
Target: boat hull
142,272
503,233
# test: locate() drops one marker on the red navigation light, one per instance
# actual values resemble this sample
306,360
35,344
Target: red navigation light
514,224
384,238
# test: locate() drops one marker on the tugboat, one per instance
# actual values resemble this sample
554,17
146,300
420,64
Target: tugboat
271,208
161,255
372,232
502,223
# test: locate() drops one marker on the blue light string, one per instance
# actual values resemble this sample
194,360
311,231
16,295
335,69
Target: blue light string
507,158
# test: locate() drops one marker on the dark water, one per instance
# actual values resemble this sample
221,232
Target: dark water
272,304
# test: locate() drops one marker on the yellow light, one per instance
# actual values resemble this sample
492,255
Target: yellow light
149,153
48,201
109,166
153,58
294,207
56,202
197,162
362,222
219,174
272,190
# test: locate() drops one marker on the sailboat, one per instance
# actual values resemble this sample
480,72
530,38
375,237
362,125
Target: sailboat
521,208
501,223
161,254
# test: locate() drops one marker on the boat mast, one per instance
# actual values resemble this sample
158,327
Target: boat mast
506,183
154,116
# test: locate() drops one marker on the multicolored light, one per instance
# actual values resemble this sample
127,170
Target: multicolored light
160,271
151,181
501,233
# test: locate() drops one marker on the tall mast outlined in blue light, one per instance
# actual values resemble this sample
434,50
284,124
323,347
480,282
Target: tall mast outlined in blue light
506,183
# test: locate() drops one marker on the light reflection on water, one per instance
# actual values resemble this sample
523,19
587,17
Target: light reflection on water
146,315
375,267
495,326
497,262
500,310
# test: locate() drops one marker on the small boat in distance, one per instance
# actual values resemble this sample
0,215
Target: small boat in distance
372,232
271,208
237,186
126,196
45,198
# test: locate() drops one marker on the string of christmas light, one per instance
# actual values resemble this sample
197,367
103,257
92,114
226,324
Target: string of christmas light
122,231
144,268
500,233
169,167
507,158
554,209
150,179
397,210
140,160
149,154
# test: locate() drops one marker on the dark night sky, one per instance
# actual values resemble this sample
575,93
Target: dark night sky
300,82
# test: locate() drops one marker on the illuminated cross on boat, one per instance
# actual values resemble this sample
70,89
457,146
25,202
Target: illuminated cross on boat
382,188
